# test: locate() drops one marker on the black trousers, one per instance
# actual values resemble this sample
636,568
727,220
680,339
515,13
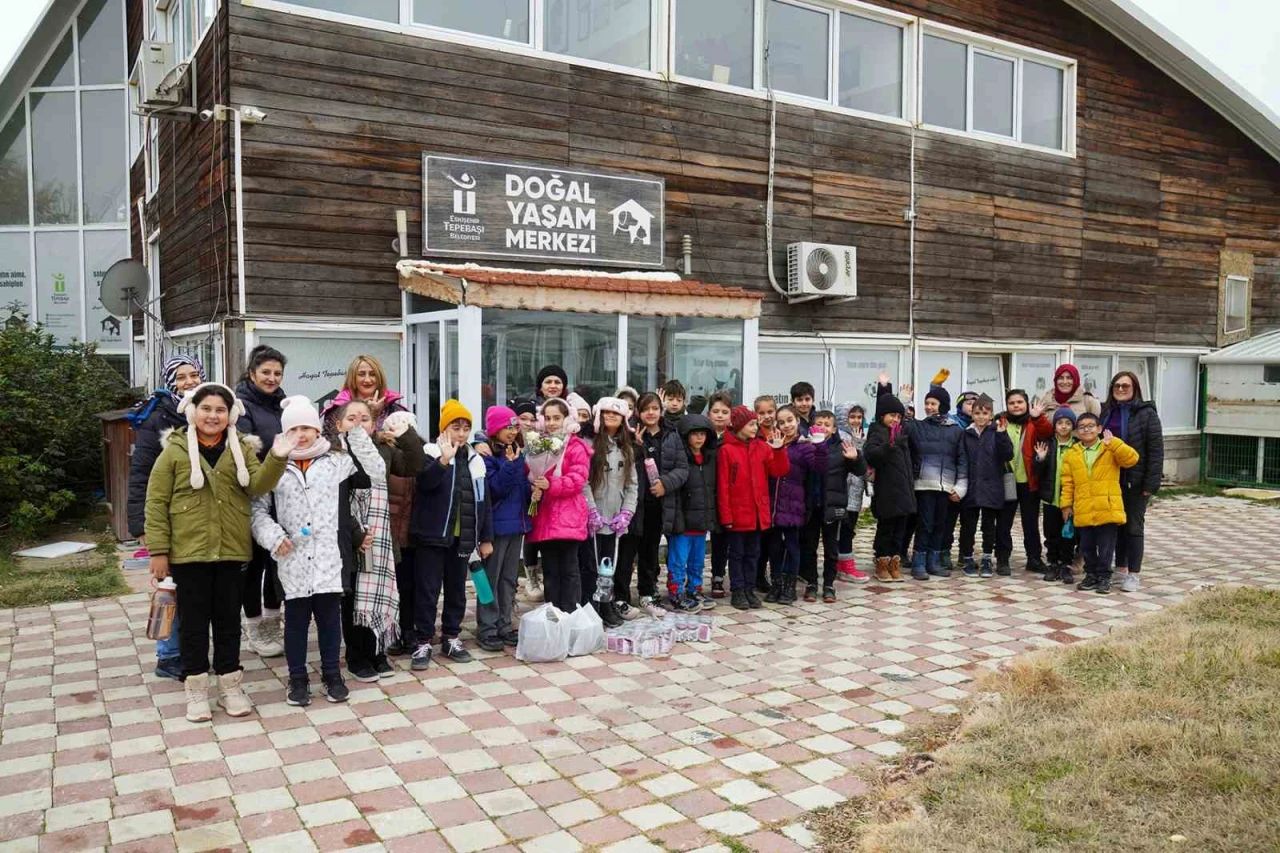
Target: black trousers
835,536
628,548
1027,505
406,587
590,553
763,557
435,569
932,519
969,517
910,524
953,519
744,557
362,645
1098,546
787,554
890,533
208,596
719,554
1129,538
810,536
560,576
1059,549
326,609
259,585
642,553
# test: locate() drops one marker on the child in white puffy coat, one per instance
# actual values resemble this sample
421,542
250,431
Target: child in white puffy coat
306,534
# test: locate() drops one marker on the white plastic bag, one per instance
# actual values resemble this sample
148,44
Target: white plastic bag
586,631
544,635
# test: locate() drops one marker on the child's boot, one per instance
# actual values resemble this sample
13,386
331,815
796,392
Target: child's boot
197,689
1003,569
828,595
920,565
810,592
231,695
789,589
753,601
533,589
895,568
774,595
1053,572
882,570
1066,575
970,568
944,561
985,570
934,565
738,599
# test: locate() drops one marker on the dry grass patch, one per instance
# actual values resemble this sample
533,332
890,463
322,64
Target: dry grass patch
1164,736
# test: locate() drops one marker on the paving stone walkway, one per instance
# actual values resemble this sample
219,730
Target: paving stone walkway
733,739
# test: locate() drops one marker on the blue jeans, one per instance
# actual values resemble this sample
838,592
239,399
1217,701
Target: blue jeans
686,556
786,550
931,530
169,649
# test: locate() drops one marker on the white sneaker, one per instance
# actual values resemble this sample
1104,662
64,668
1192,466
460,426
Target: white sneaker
1130,582
533,585
259,640
651,606
627,612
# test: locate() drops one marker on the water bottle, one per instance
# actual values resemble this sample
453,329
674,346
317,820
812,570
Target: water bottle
484,592
164,609
604,582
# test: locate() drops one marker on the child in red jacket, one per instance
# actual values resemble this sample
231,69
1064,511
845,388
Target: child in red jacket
744,467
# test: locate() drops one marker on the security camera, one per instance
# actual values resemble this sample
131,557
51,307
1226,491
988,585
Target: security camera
206,115
252,115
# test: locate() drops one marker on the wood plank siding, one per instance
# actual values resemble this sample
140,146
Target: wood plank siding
1120,243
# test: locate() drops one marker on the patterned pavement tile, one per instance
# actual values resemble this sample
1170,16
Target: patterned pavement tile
736,738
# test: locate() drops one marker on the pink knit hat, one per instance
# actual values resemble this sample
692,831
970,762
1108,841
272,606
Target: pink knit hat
612,404
498,418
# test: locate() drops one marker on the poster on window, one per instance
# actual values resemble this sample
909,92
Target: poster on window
986,376
101,250
318,363
1095,374
1033,371
781,368
58,297
706,364
929,362
857,371
15,275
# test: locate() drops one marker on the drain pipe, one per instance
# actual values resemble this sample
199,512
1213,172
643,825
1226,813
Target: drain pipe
910,216
239,217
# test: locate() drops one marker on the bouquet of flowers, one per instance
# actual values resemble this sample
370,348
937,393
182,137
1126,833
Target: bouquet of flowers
542,453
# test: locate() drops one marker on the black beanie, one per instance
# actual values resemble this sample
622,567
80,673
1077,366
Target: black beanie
940,394
888,404
524,406
551,370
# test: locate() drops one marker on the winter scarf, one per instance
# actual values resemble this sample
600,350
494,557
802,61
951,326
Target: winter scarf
1118,419
377,599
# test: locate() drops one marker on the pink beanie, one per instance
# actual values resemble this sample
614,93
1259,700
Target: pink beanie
612,404
498,418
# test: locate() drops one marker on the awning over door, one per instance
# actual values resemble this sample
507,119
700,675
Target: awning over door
657,294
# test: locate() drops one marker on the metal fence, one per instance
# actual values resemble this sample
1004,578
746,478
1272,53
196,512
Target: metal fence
1241,460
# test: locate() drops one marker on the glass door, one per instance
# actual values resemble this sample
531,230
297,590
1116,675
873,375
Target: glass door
432,360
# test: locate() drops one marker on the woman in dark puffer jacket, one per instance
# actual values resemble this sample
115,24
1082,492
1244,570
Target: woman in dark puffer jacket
1135,422
890,453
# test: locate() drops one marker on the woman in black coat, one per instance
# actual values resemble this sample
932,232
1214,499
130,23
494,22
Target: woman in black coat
150,419
888,451
260,594
1135,422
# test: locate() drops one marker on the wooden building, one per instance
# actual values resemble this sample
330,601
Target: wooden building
1026,182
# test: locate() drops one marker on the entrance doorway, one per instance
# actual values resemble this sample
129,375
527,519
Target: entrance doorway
432,340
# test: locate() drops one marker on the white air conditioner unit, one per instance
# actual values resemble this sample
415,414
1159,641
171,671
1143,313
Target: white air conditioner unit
822,269
161,81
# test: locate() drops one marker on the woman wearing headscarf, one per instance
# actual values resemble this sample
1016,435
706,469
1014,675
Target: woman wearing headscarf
1135,422
149,419
1068,391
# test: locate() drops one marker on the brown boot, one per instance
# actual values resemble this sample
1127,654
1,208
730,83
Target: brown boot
895,569
882,570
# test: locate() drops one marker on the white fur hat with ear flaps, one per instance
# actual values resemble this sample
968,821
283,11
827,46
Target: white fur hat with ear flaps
187,407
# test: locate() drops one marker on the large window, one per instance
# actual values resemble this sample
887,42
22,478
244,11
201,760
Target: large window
101,48
1235,313
705,355
105,182
1170,380
870,66
798,49
15,273
53,156
840,373
989,370
715,41
993,89
13,170
515,345
500,19
603,30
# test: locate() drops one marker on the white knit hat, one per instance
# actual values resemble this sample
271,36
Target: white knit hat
616,405
187,407
299,411
577,403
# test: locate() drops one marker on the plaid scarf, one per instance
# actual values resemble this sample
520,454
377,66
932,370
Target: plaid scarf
377,604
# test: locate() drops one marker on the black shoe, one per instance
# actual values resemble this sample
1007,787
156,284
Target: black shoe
453,650
335,689
752,600
739,600
169,668
383,667
421,657
1053,573
1003,569
511,639
363,673
828,595
1068,577
1035,564
773,595
984,568
299,692
810,592
788,594
608,615
1089,582
1103,587
396,650
717,588
492,645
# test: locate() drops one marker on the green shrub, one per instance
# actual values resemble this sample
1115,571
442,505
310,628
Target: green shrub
50,443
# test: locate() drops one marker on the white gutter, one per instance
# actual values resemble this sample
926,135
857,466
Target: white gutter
239,218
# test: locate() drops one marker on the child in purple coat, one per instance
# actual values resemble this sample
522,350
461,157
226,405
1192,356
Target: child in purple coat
790,496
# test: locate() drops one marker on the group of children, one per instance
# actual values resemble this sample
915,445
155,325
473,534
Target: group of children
373,532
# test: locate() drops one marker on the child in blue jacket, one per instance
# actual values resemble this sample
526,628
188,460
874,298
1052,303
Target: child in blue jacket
509,495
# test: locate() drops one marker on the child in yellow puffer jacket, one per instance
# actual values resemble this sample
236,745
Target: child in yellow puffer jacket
1091,497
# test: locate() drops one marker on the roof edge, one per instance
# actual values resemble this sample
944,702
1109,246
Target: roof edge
1175,57
29,57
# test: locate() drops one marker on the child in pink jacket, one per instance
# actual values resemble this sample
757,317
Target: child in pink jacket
560,524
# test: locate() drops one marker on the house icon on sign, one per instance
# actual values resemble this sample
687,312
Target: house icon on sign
634,219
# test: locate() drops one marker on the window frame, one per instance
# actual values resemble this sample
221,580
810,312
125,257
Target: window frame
1160,354
832,47
1247,284
976,43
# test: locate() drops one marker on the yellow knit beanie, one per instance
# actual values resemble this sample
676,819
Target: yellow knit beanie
451,411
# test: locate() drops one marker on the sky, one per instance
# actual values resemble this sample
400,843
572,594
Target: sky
1241,37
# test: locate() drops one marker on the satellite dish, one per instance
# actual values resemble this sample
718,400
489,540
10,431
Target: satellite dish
124,287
